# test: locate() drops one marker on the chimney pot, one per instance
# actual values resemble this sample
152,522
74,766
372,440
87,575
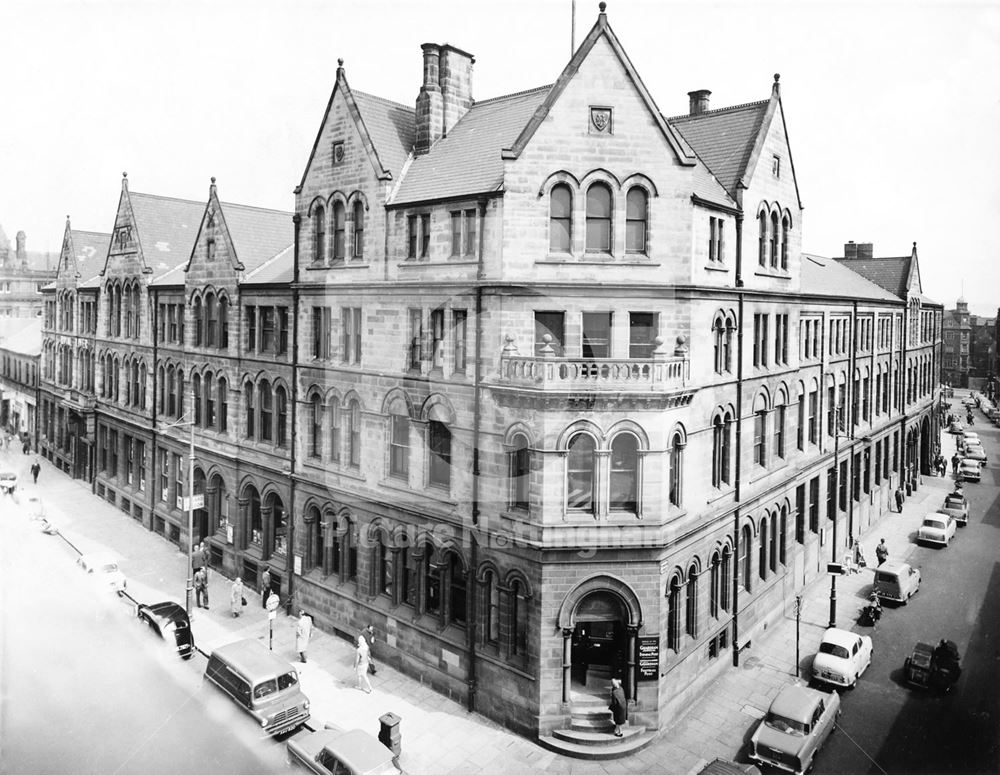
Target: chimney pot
698,101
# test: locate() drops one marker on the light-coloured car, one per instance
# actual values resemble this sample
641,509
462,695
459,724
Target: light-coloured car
956,427
936,529
898,581
105,567
340,752
969,437
842,657
956,506
797,724
969,470
975,452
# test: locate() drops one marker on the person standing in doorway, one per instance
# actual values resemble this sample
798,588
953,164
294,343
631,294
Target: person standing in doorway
618,706
265,587
361,661
303,631
36,469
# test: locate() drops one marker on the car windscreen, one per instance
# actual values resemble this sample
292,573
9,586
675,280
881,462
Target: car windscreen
265,688
934,524
787,725
885,578
833,650
287,679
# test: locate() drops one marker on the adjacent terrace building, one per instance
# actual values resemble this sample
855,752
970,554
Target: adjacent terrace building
542,386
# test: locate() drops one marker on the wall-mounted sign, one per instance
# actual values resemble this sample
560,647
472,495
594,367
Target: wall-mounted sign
648,647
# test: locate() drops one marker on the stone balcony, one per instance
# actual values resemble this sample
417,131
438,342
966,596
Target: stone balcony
662,377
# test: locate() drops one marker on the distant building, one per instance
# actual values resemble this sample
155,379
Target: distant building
957,334
20,348
22,277
982,348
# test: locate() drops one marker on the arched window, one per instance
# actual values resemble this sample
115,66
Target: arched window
636,217
171,392
248,392
316,426
718,343
491,608
745,562
785,227
691,603
399,443
142,386
779,427
676,474
674,614
223,405
759,435
714,585
196,390
721,448
439,447
209,383
456,590
762,569
382,566
223,322
432,581
599,219
265,397
196,313
774,240
180,392
312,556
781,537
319,234
580,473
762,244
339,226
354,434
359,229
518,619
624,481
560,219
519,469
212,316
281,416
725,574
334,416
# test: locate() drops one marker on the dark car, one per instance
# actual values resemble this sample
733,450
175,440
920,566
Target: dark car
170,622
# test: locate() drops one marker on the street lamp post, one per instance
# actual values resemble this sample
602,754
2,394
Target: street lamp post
189,589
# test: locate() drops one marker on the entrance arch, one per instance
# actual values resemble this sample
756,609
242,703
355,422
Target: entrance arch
926,455
599,619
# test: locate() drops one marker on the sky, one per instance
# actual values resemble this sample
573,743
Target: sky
892,106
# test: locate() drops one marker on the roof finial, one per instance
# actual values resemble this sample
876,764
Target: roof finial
340,67
125,181
776,88
602,6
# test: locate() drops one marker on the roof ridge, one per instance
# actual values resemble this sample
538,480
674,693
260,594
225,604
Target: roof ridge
169,198
381,99
255,207
719,110
521,93
87,231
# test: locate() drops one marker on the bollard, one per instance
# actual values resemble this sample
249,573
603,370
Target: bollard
389,733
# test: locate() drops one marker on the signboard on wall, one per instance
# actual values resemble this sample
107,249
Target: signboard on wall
648,647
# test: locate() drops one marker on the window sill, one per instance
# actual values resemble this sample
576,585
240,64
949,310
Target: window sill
716,268
777,274
722,494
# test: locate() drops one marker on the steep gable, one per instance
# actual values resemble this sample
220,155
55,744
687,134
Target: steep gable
82,255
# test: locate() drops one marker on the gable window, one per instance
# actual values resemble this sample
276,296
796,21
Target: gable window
715,239
358,250
636,217
319,234
774,240
762,238
560,219
339,231
580,473
599,219
776,166
785,226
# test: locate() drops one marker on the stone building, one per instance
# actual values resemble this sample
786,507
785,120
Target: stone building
542,386
20,348
23,274
957,330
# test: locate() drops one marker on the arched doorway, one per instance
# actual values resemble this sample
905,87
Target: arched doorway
925,447
600,621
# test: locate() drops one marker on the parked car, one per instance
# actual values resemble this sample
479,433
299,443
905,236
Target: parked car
897,581
843,656
969,470
797,724
956,506
340,752
8,482
726,767
975,452
104,566
936,529
956,427
170,622
968,437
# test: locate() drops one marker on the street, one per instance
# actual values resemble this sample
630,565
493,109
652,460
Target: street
87,689
908,730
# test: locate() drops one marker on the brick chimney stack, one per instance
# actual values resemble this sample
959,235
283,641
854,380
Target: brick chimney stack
854,249
22,251
698,101
446,93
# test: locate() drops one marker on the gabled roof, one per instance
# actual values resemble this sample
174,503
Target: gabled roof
90,249
893,274
391,128
468,161
277,269
166,229
724,139
829,277
257,233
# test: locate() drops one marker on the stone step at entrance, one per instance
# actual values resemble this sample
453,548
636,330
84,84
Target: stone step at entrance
590,733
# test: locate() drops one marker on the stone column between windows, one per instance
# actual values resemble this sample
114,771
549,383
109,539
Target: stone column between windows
602,483
567,663
242,528
267,529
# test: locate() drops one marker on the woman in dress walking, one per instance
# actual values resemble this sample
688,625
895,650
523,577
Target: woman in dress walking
361,657
236,597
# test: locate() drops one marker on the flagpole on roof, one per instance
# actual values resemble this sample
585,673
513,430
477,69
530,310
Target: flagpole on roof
572,29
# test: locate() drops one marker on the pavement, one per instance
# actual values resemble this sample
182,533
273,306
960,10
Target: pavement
439,735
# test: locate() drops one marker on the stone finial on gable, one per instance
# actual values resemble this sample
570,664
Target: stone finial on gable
124,181
776,88
602,7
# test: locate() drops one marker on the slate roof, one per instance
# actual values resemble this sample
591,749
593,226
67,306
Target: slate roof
821,276
277,269
468,160
166,228
391,128
90,251
889,273
724,139
257,233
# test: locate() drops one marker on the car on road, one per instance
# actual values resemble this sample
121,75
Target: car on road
969,470
170,622
842,657
975,452
8,482
726,767
895,580
342,752
105,567
956,506
797,724
936,529
956,427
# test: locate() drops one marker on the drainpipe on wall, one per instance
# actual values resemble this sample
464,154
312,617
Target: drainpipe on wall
736,472
155,409
290,554
854,403
472,680
903,392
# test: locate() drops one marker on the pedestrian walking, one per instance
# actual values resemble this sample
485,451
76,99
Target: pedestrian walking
859,555
265,587
881,552
236,599
303,631
36,469
368,633
201,588
898,495
197,558
618,706
362,658
955,460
